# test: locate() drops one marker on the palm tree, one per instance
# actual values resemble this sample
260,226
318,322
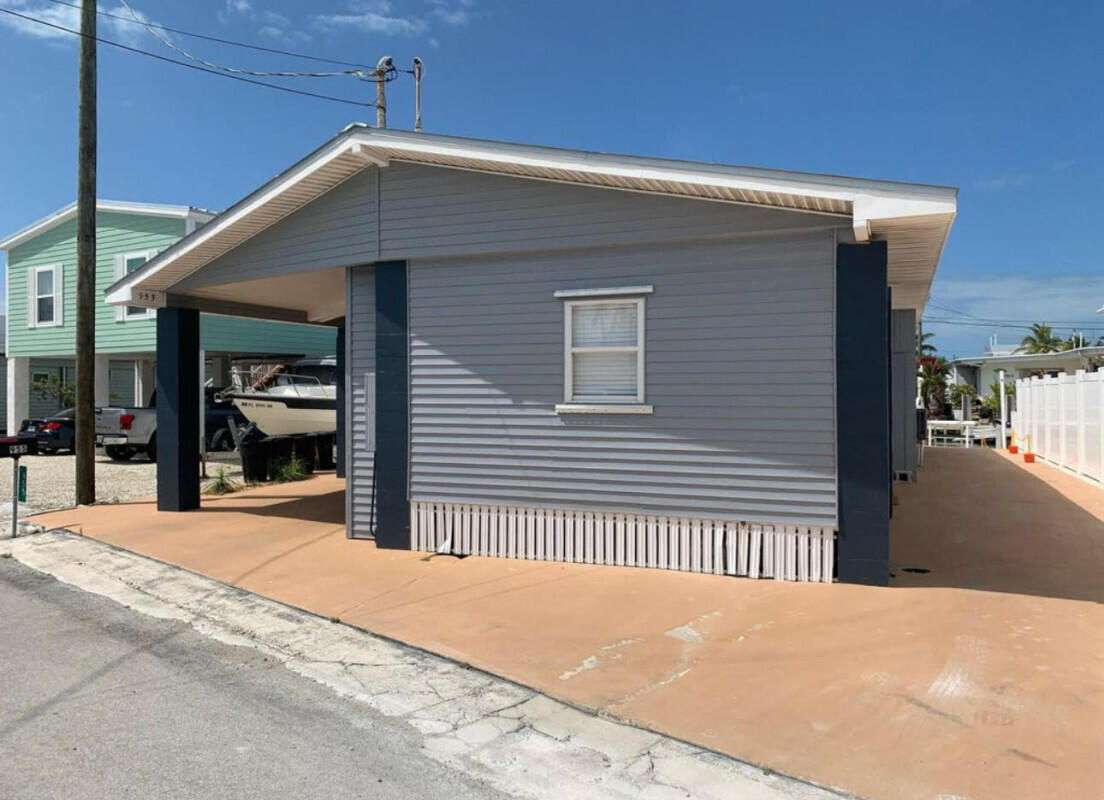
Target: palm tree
1041,340
923,348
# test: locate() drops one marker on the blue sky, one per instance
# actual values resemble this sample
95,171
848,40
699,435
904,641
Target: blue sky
1001,99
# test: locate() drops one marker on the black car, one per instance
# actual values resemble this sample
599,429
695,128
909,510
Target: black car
54,433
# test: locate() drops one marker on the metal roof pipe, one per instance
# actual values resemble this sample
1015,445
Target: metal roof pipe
417,94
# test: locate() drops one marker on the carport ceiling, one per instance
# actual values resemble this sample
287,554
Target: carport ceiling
319,294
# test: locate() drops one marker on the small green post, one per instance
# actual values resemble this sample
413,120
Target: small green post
22,484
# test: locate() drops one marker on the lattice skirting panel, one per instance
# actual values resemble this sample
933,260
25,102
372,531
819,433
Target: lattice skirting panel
783,552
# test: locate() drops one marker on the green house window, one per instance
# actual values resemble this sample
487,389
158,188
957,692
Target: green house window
44,308
124,265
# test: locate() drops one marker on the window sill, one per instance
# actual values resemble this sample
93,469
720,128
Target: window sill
587,408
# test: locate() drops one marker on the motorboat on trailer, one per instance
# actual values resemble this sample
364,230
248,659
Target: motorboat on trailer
282,403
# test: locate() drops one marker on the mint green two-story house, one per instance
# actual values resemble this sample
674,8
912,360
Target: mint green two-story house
41,310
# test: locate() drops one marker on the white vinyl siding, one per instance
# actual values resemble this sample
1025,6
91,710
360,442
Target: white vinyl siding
604,351
44,309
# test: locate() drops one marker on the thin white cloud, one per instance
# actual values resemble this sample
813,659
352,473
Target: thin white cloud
278,28
1008,180
239,6
119,30
372,21
380,16
275,19
453,12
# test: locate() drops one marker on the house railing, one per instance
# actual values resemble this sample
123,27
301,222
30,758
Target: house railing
1061,419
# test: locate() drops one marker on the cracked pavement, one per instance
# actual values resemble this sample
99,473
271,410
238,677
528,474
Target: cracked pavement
485,730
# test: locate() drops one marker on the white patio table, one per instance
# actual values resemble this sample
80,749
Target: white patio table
947,427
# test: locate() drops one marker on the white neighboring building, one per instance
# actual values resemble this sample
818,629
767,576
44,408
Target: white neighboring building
982,370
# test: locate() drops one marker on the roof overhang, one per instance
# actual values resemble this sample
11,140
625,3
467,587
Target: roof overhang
118,206
914,218
1091,352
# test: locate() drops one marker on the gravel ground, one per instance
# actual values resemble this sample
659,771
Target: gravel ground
50,483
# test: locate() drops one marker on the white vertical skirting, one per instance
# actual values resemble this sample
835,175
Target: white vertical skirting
721,547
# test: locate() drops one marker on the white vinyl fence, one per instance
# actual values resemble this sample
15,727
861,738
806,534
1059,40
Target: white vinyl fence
1062,420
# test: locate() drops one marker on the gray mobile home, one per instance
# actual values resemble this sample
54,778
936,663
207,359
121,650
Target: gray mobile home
580,356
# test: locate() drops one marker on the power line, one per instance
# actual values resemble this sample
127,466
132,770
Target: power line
197,67
359,73
1075,327
1027,322
209,38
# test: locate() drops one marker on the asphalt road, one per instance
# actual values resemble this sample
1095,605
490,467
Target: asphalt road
97,701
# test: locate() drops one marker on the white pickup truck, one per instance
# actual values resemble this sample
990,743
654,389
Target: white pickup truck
124,432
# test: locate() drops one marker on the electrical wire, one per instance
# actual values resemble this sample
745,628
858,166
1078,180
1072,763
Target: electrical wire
1089,330
231,42
257,73
1017,322
197,67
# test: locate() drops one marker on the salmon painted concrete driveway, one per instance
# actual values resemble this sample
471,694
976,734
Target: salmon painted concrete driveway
978,674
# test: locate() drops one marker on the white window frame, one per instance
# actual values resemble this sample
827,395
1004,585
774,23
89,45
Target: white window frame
123,313
603,405
57,295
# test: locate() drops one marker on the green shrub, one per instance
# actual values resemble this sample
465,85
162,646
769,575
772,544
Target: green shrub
287,470
221,483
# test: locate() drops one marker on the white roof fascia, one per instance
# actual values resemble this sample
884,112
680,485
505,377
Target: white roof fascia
870,200
878,199
68,212
1085,352
120,292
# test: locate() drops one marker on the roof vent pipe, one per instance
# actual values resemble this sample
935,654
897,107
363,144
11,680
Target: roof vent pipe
417,95
379,74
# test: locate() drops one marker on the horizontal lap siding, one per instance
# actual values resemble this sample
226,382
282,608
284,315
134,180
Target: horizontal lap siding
739,368
433,211
218,333
116,234
360,322
336,230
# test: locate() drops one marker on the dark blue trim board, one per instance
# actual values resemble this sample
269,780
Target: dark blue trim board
862,413
177,382
340,396
392,406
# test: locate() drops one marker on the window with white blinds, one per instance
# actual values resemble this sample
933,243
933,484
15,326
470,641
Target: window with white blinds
604,351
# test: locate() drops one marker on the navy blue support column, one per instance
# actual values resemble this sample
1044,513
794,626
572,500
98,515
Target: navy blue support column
340,395
392,406
862,413
177,381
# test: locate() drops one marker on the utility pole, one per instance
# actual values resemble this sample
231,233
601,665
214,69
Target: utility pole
85,443
383,66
